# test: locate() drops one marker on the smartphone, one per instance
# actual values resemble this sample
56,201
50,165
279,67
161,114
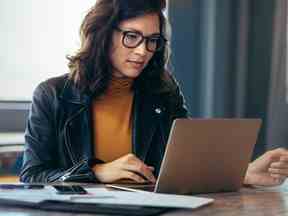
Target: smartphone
69,189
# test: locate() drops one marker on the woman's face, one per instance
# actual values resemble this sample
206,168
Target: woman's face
129,61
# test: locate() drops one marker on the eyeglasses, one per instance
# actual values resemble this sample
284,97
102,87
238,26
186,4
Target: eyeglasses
132,39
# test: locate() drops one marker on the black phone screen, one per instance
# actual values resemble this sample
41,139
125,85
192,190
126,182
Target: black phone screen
69,189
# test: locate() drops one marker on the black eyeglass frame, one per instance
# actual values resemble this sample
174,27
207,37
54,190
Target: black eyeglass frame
146,38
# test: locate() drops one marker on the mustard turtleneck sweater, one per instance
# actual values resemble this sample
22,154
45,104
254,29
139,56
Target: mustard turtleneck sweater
112,125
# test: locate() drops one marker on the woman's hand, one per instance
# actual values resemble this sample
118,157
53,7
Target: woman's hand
270,169
126,167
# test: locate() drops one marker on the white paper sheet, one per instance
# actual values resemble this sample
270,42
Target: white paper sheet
151,199
102,195
32,195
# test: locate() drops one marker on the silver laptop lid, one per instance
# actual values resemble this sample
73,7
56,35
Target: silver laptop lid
207,155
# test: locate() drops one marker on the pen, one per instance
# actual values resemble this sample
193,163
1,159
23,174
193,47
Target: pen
20,186
91,197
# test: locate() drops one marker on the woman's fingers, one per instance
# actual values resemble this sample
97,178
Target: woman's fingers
279,178
141,169
125,174
279,165
151,168
284,159
133,164
278,171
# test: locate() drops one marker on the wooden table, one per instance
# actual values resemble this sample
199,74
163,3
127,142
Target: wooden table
9,179
254,202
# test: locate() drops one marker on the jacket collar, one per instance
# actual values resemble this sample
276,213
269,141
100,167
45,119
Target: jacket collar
70,93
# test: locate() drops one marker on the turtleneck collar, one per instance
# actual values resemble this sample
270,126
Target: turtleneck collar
119,86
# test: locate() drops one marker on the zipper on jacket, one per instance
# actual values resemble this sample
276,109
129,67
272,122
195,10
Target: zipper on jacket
67,173
65,177
66,138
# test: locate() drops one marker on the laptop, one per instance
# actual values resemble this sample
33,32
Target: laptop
204,156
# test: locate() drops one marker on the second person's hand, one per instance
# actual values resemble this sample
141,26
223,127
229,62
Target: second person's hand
127,167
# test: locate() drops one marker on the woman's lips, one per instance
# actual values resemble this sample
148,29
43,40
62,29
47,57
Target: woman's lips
136,64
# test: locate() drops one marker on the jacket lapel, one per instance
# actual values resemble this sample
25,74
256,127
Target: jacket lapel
77,123
146,116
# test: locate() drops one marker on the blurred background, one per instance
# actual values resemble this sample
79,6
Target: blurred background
228,56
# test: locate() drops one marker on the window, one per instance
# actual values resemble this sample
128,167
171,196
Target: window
35,37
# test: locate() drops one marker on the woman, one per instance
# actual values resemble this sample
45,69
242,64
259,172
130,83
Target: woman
109,119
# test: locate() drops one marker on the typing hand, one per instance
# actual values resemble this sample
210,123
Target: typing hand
270,169
126,167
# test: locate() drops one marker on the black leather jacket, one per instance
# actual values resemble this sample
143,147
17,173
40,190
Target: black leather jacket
58,137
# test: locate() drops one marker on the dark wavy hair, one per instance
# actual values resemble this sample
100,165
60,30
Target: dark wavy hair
91,68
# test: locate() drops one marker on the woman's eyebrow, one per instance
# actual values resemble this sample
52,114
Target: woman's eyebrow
138,31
